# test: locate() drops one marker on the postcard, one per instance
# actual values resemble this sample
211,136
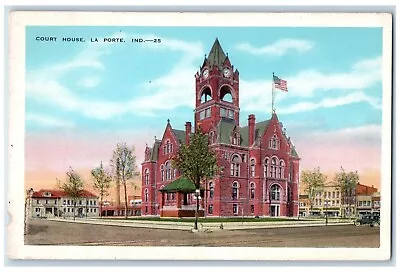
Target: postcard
199,136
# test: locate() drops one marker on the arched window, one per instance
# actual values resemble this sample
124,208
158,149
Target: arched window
281,169
146,195
206,95
275,192
274,143
175,173
266,164
225,94
235,166
252,167
252,190
162,173
146,176
235,190
168,171
211,188
165,149
273,168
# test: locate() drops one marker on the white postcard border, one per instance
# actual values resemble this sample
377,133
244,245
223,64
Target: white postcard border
18,21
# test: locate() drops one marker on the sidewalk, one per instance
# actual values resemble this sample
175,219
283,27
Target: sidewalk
168,225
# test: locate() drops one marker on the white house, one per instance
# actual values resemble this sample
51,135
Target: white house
51,203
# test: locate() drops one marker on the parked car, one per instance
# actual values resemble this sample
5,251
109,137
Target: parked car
371,220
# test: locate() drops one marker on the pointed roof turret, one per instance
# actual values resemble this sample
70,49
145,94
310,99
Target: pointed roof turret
216,55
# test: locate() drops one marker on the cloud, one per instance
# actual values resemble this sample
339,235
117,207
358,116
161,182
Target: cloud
89,82
331,102
278,48
305,84
363,74
47,121
176,86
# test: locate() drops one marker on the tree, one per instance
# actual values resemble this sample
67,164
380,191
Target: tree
124,167
196,162
101,183
314,182
73,186
346,183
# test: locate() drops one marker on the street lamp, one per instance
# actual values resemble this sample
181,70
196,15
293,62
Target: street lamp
326,212
197,195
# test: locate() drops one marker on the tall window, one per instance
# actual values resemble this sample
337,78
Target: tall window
162,172
252,167
281,169
274,143
235,209
235,166
266,162
275,192
235,190
146,176
168,171
210,209
252,190
273,168
211,188
146,195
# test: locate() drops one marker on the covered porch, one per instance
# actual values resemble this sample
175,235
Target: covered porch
178,199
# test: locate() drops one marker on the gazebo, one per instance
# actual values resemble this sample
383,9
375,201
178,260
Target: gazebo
178,199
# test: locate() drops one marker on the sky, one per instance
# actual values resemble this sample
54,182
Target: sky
82,98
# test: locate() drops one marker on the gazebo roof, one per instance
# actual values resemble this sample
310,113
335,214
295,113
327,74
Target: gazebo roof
181,184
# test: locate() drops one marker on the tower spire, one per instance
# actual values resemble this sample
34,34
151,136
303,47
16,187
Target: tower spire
216,55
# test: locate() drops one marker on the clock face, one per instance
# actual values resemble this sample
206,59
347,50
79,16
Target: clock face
206,73
227,72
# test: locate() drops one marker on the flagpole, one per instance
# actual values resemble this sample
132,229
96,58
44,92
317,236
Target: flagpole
273,89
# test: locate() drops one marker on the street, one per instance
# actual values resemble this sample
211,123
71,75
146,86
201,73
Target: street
44,232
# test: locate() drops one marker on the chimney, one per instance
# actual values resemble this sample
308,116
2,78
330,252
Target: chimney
188,128
252,131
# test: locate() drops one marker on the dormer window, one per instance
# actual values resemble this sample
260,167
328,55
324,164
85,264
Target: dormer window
236,138
274,143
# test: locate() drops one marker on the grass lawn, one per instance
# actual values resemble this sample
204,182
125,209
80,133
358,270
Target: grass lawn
208,220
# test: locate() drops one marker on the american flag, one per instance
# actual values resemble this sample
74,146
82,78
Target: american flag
280,83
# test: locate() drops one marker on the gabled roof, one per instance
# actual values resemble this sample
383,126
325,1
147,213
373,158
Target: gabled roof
180,135
181,184
244,132
224,129
154,151
216,56
52,193
226,126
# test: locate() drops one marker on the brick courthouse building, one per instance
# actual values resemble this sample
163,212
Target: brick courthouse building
260,166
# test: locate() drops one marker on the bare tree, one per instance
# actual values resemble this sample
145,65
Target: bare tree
314,183
72,186
101,183
346,183
124,167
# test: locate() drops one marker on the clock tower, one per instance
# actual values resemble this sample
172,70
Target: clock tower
217,90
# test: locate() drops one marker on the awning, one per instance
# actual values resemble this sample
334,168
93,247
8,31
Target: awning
181,184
